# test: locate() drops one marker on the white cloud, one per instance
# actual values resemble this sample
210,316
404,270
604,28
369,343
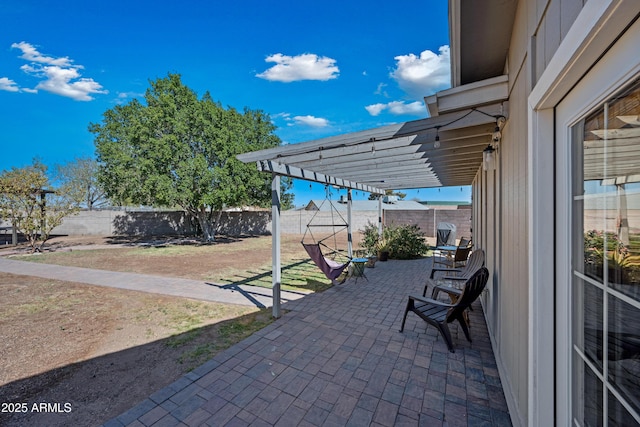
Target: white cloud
307,66
375,109
59,81
381,90
316,122
310,121
30,53
124,97
58,75
281,116
423,75
130,94
8,85
397,108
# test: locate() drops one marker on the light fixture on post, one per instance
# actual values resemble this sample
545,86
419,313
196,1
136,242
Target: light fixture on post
436,143
489,158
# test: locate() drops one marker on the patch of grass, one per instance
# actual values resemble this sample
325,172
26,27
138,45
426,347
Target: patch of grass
86,258
201,352
40,298
238,329
297,274
225,335
184,338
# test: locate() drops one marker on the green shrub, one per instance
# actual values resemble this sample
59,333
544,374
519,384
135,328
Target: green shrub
370,239
405,241
401,241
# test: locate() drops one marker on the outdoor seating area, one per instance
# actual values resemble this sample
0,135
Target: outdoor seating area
440,314
338,358
451,278
453,256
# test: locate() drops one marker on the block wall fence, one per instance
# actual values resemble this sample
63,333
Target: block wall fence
129,223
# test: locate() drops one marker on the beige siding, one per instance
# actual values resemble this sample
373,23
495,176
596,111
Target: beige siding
513,342
569,11
551,22
502,213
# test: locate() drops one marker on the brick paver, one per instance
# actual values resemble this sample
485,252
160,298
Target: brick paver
335,358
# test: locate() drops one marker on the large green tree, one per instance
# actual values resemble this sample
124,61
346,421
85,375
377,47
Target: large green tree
176,149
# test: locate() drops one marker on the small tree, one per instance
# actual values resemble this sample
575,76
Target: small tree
80,177
33,208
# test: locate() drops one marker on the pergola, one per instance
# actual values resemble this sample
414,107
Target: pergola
443,150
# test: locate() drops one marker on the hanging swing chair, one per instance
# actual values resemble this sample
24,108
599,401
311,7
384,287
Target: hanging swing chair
330,260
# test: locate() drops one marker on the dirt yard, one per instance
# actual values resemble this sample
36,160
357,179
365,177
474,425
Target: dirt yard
91,353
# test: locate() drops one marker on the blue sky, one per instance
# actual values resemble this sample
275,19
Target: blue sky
317,68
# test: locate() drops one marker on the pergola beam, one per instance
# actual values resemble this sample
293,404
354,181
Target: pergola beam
295,172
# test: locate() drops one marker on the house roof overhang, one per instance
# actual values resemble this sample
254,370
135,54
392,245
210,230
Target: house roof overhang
404,155
478,50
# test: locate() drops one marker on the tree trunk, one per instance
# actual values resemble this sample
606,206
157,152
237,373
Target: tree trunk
207,226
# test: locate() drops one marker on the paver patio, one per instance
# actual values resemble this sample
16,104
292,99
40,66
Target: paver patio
336,358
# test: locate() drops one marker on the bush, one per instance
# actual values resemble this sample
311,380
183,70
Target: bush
401,241
405,241
370,239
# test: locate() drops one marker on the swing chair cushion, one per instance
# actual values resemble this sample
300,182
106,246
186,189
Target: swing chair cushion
329,267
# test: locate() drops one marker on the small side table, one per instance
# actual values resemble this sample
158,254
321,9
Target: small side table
358,267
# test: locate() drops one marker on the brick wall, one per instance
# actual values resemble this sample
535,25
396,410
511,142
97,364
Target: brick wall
428,220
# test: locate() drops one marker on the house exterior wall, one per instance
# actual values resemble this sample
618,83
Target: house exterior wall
609,61
554,45
508,249
503,214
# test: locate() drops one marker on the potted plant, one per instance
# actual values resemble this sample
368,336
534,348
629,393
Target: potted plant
382,248
369,242
371,261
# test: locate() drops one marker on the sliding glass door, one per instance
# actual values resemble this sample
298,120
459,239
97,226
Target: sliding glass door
604,291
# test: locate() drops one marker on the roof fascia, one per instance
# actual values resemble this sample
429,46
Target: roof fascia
454,37
489,91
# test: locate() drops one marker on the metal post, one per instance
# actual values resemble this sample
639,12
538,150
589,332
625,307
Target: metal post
276,272
380,215
349,228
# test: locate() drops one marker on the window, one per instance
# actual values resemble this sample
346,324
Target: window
605,258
